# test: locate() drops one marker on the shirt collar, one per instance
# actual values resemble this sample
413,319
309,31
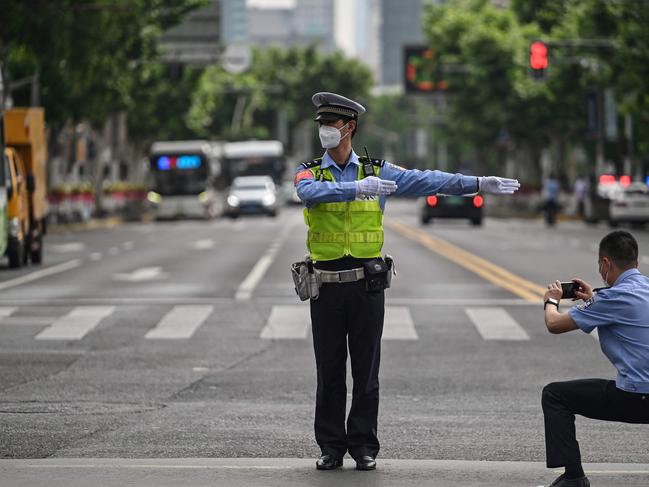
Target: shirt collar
625,274
327,161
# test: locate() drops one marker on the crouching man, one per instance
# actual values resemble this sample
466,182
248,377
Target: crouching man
620,313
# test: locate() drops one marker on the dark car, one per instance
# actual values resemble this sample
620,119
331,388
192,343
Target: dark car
442,206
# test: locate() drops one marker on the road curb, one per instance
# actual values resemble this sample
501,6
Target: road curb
92,224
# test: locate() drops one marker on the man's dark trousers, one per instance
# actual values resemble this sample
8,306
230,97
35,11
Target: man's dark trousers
592,398
346,314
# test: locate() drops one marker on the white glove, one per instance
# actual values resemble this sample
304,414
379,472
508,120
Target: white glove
496,185
373,186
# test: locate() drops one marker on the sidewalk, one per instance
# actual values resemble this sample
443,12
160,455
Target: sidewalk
291,472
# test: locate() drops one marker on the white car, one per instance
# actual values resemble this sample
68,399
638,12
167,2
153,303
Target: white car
630,204
252,194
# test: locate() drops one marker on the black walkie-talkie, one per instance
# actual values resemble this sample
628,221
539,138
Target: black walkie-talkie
368,169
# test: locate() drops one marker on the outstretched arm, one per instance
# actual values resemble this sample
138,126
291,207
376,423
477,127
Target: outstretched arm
422,183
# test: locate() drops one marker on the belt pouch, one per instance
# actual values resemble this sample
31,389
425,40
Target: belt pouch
307,284
376,275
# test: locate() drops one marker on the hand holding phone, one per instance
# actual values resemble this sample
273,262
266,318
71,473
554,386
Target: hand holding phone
569,290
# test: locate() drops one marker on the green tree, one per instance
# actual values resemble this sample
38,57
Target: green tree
494,102
87,53
280,80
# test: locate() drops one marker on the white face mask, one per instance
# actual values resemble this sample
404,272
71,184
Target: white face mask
330,136
605,276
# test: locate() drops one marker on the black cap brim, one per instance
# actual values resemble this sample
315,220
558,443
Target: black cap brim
329,117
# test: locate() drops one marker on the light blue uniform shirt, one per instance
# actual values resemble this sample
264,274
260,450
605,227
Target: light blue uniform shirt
409,182
621,316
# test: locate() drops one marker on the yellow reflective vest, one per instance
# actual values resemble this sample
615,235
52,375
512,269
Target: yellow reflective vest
352,228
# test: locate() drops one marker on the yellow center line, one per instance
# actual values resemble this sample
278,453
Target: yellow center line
487,270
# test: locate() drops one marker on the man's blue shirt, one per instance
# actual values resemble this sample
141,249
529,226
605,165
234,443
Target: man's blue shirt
621,316
409,182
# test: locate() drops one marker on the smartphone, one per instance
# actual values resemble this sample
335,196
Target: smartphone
569,289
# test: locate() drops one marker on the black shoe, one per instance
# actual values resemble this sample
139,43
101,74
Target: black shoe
365,462
328,462
562,481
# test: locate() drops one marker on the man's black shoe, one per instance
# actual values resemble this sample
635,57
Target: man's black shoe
562,481
365,462
328,462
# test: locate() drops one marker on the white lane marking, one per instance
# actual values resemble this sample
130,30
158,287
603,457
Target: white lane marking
398,324
5,311
76,324
143,274
247,287
67,247
128,245
287,323
293,323
204,244
113,251
40,274
496,324
95,256
181,322
26,320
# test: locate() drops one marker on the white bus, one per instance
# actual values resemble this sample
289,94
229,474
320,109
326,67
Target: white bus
187,179
254,158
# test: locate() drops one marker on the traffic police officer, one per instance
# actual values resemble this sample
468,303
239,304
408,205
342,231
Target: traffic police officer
620,315
345,198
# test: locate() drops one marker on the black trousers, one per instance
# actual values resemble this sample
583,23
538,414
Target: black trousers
592,398
346,315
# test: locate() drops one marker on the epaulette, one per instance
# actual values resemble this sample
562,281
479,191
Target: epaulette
375,162
312,164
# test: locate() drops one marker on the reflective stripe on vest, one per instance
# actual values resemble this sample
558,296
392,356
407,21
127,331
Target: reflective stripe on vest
344,228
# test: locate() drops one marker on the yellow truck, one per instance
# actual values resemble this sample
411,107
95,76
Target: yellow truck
25,172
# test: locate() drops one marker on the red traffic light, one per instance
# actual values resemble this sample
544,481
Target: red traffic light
538,55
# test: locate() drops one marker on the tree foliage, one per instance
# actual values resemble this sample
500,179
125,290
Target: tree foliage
87,53
279,80
594,45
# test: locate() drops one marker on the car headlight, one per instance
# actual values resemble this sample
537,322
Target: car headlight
268,200
233,200
153,197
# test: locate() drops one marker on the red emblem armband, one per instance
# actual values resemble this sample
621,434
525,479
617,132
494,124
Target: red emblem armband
306,174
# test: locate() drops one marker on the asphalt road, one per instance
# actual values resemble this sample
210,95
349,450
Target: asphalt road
182,344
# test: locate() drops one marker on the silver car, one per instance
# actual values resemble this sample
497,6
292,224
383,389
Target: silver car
250,195
630,204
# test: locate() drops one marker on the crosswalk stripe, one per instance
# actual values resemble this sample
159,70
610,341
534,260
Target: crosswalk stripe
181,322
496,324
398,324
5,311
293,323
287,323
76,323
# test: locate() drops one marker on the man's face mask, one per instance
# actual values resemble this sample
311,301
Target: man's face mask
330,137
603,275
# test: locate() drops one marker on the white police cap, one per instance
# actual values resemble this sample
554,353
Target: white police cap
332,106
